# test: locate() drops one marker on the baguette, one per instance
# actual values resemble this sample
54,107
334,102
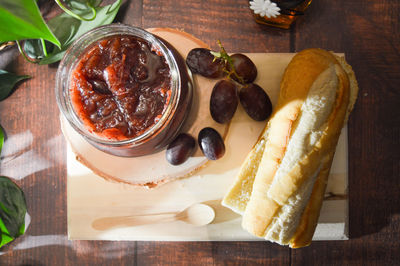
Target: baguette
280,186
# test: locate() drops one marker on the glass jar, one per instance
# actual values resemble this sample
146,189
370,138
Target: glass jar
158,135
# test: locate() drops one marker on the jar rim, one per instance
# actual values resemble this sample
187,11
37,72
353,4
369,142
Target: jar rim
72,57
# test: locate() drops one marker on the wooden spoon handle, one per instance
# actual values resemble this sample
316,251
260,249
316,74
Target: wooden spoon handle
106,223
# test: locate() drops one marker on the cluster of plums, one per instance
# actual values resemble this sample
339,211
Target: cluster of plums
236,73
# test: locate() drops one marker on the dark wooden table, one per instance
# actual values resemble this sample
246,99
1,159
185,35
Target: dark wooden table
367,31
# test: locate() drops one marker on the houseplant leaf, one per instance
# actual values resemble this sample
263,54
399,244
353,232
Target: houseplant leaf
7,83
1,138
68,29
21,19
12,211
33,49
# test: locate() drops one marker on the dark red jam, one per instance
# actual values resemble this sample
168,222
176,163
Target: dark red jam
120,87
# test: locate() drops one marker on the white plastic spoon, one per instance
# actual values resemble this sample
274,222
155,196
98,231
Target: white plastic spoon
197,214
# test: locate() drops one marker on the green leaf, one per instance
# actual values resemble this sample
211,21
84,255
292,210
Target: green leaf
82,4
7,83
68,29
1,138
12,210
33,49
21,19
4,236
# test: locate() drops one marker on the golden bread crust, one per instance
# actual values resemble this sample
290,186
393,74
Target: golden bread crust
298,78
308,223
269,195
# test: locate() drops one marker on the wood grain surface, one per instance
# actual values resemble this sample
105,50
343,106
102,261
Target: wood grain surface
367,31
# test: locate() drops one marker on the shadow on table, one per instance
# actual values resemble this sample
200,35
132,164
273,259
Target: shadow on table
31,262
222,214
370,214
374,191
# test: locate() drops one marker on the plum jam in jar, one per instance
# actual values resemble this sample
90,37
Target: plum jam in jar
123,89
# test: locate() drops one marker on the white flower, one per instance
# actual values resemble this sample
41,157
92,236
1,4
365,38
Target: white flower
265,8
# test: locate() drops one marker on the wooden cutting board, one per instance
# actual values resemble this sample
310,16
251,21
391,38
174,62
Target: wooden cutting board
91,197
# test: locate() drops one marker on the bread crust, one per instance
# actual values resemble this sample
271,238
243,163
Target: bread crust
268,196
309,219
